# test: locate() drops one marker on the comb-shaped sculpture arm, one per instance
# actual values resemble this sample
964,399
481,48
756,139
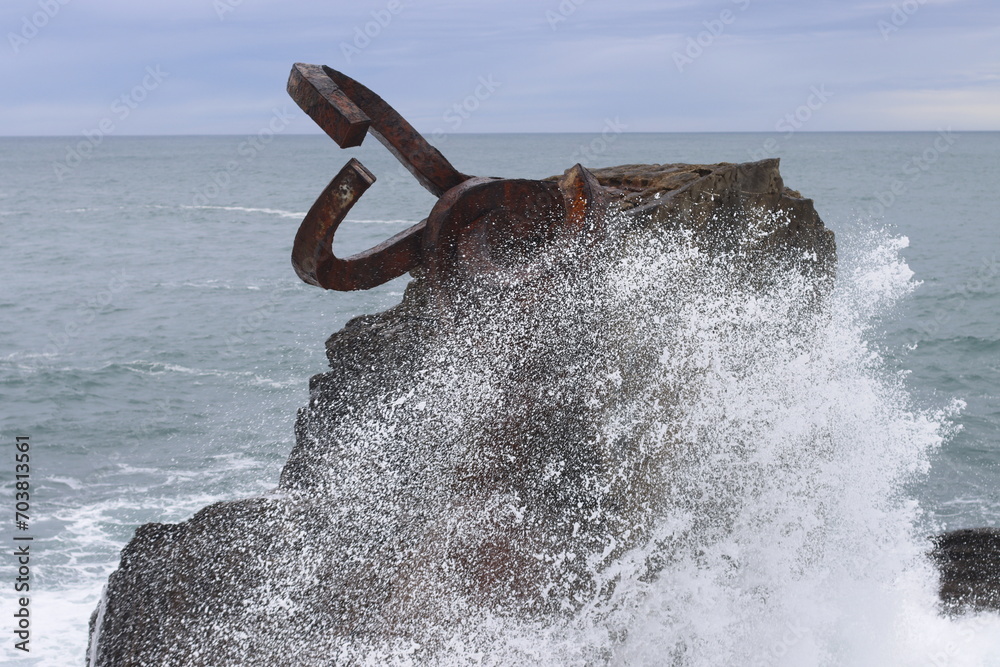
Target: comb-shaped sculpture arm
478,226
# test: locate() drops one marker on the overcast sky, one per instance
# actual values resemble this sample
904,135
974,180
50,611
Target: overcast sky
220,66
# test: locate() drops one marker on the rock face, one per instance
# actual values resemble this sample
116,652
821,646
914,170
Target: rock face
969,561
296,572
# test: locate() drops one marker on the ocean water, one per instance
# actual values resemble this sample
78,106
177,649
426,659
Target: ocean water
157,344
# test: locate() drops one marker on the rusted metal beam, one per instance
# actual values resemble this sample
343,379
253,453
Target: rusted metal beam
312,251
327,105
431,169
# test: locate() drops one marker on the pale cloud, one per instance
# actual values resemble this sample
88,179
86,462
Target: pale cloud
906,110
597,60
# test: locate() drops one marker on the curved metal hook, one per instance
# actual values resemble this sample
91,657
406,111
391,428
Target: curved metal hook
475,222
312,251
347,111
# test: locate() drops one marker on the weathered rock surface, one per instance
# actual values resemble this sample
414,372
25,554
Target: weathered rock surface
245,581
969,562
717,201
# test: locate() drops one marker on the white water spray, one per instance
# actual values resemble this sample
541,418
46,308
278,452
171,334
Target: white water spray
664,460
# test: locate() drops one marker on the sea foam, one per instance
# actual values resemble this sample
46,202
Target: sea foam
762,514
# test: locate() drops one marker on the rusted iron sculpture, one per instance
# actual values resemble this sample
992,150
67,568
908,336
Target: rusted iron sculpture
478,225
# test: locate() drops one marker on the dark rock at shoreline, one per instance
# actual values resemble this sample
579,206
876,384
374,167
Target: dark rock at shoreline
245,580
716,200
969,563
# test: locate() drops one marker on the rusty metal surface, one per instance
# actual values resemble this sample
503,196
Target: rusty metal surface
425,162
312,251
586,203
489,226
327,105
478,227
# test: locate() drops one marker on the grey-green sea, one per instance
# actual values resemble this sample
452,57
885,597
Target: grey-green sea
156,342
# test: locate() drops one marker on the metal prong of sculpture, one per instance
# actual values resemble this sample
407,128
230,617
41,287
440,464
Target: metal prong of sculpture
478,225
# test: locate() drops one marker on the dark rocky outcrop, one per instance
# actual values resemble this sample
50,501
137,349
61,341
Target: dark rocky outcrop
714,202
969,562
293,573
